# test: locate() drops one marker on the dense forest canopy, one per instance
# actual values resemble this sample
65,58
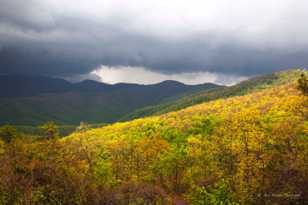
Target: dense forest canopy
31,101
249,149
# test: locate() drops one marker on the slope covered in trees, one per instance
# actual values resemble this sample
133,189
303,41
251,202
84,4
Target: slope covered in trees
250,149
28,100
242,88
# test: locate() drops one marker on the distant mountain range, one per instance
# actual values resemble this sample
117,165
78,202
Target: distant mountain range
32,100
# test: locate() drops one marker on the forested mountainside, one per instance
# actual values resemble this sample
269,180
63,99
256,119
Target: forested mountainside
29,100
250,149
242,88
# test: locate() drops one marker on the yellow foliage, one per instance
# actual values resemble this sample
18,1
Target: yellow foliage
240,138
255,144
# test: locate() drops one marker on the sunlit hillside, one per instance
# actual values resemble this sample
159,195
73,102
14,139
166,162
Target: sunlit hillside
112,102
242,88
244,150
250,149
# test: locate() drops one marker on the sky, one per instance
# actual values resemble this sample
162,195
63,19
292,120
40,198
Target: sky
142,41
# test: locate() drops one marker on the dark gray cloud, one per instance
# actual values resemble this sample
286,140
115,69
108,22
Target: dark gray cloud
49,37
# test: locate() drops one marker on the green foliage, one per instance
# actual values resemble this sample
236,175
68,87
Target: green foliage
8,132
220,195
93,106
64,130
203,125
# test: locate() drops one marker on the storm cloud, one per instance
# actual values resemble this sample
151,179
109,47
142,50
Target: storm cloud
69,38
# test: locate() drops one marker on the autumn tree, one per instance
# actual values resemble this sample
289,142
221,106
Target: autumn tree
217,195
83,126
8,132
51,129
303,84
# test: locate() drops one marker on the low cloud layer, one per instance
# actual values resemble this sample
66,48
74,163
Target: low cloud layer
166,38
141,75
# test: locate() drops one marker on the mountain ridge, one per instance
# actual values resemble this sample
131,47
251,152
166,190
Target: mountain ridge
96,102
26,85
29,100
